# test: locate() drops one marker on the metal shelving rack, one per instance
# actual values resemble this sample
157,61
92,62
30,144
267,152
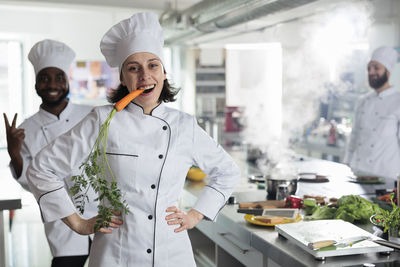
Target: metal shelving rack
210,99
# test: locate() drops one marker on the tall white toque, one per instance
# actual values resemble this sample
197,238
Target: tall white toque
50,53
140,33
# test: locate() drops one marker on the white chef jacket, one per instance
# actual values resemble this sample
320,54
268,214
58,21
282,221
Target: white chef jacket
149,156
40,130
374,143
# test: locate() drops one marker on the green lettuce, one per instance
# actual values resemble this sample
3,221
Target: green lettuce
321,213
350,208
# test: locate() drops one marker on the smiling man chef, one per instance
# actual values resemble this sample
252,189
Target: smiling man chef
374,143
51,61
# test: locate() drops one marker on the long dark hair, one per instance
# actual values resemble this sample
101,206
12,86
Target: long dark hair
168,93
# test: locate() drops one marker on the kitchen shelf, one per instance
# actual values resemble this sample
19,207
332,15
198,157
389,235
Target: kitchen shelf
211,94
210,83
210,91
210,70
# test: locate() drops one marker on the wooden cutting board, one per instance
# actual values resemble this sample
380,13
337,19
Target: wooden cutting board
266,204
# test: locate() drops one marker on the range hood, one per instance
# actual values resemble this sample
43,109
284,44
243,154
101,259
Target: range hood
211,16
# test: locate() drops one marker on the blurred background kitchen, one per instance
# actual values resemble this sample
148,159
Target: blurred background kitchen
275,77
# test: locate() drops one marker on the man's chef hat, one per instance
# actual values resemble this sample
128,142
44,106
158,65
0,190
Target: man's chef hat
387,56
140,33
50,53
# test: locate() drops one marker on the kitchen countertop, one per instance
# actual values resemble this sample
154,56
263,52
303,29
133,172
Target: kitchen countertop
266,239
10,191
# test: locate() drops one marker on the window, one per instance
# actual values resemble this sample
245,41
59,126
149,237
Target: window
11,100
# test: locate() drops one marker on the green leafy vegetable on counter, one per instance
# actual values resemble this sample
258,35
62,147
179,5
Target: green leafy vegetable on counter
355,208
322,213
350,208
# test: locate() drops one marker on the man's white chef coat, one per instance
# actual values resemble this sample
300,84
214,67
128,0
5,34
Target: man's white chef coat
374,143
149,156
40,130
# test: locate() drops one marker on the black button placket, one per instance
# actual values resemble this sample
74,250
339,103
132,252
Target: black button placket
167,130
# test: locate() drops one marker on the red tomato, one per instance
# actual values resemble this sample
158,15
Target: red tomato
294,202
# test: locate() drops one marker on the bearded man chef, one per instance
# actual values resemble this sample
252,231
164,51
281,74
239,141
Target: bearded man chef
374,146
150,150
51,61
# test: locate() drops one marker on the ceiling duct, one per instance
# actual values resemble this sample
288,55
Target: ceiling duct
205,10
187,24
236,18
211,16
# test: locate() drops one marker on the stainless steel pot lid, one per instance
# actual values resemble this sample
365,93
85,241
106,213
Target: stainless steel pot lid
260,178
293,178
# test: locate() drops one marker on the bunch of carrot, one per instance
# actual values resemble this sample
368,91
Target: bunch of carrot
94,174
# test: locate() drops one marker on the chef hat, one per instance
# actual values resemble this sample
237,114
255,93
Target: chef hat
140,33
387,56
50,53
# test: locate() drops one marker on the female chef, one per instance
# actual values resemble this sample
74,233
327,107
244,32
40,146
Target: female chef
150,149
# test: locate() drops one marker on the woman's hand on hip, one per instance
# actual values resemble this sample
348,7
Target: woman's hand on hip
185,220
86,226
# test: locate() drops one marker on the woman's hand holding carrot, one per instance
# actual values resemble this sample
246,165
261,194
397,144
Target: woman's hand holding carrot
86,226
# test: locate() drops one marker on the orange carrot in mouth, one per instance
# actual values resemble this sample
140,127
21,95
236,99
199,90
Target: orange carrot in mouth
120,105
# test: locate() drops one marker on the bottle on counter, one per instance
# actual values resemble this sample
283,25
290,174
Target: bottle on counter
283,192
332,134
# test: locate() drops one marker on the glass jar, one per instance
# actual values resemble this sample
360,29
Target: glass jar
283,192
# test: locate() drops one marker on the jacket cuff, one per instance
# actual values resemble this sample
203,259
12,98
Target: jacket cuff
207,196
55,205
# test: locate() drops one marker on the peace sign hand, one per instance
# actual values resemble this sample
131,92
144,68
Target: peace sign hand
15,136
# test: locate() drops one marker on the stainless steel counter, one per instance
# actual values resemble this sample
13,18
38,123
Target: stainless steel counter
252,245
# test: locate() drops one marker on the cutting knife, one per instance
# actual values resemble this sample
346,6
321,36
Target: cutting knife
254,211
338,243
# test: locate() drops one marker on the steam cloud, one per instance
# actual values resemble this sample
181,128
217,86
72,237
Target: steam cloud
324,50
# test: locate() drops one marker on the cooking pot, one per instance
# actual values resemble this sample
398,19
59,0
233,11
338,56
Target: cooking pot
272,185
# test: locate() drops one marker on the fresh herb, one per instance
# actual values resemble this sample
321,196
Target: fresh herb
94,171
389,219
